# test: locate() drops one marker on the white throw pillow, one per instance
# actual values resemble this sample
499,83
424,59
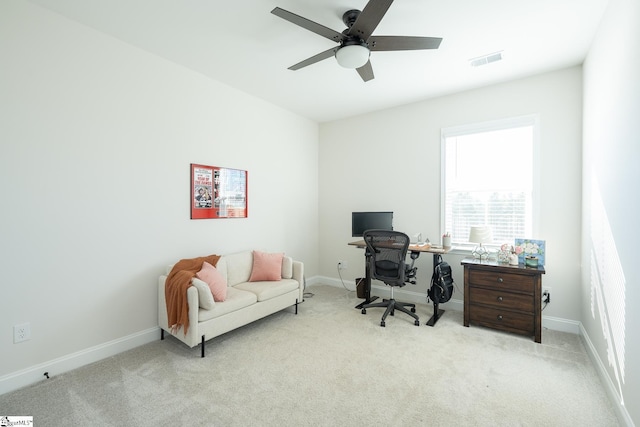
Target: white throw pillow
205,297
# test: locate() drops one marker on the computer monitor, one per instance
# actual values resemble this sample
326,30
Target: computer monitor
361,221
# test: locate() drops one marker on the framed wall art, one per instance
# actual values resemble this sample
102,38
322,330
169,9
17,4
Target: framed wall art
531,247
218,192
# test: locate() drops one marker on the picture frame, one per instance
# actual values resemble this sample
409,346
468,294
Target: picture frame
218,192
532,247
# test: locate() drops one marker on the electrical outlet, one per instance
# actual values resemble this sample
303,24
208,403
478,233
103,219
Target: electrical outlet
342,265
21,332
546,295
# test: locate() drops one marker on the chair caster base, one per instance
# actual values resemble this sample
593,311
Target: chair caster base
382,324
417,323
364,311
413,309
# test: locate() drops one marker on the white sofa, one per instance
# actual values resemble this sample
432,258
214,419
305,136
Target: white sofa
245,302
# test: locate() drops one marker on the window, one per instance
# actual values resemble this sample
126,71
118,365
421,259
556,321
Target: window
489,172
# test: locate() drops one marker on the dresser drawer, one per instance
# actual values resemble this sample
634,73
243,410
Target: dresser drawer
503,319
501,299
500,280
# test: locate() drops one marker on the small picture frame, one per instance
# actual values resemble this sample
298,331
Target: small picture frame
531,247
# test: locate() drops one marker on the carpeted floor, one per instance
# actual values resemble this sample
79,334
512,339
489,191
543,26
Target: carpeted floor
332,366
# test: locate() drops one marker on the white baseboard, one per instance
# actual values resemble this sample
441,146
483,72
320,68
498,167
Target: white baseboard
610,388
404,294
33,374
560,324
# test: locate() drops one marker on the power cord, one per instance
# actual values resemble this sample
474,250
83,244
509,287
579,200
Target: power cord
341,280
546,300
305,294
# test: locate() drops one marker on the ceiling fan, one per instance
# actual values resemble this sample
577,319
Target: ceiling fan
356,41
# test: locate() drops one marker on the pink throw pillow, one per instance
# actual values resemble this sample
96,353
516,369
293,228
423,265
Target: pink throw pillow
218,285
266,266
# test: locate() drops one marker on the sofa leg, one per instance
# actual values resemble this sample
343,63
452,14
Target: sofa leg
161,334
202,347
296,306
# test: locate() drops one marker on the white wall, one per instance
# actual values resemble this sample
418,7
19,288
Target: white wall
390,160
97,138
611,200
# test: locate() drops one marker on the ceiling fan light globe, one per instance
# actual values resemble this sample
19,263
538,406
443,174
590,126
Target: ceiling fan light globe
352,56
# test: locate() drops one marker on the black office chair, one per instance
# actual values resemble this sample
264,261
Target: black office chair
387,251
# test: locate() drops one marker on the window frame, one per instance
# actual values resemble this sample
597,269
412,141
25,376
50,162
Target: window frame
532,120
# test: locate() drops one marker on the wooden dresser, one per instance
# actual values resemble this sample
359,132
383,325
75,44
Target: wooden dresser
504,297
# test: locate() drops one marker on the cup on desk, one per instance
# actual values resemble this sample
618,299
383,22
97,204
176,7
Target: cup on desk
446,242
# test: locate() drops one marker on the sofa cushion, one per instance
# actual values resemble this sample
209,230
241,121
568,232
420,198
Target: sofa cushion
221,266
205,297
214,279
268,289
266,266
287,267
238,267
237,299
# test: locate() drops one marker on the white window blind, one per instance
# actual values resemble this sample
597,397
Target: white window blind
488,179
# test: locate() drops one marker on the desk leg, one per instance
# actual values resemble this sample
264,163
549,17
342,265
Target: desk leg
437,313
366,301
367,282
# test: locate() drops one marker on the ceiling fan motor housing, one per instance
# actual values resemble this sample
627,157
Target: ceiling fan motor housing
350,16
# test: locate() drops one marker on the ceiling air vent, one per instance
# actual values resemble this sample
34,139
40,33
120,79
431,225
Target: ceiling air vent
486,59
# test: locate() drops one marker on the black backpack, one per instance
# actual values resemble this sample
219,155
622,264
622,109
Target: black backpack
441,288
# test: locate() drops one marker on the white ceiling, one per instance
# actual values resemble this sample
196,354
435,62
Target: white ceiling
240,43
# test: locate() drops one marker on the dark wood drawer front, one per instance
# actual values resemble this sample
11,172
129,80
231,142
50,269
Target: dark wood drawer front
501,299
510,282
503,319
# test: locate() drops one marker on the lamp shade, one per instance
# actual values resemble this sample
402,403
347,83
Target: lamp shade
352,56
480,234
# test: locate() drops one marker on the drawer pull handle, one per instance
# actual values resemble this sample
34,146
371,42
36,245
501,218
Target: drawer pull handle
500,280
499,299
500,317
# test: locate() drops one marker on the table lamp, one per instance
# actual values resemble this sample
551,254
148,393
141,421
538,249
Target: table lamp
480,234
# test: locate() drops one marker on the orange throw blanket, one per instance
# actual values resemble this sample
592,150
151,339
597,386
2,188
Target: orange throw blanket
175,289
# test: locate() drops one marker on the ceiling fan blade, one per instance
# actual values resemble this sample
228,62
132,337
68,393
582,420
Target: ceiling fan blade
387,43
369,18
366,71
309,25
316,58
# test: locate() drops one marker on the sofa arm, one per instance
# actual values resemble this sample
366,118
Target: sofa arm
298,274
191,338
163,320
